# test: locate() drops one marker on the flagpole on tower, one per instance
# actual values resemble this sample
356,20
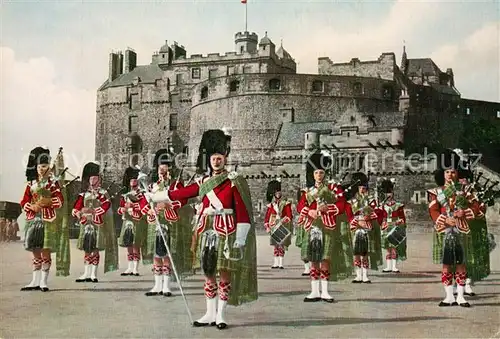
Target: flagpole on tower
246,14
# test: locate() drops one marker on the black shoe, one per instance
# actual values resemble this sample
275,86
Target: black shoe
167,294
88,280
136,274
366,282
45,289
386,271
470,294
281,268
274,267
443,304
466,304
80,280
330,300
311,300
126,274
35,288
222,326
94,280
305,274
396,271
149,294
198,324
357,281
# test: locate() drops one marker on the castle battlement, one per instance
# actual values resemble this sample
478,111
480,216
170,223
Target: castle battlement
384,67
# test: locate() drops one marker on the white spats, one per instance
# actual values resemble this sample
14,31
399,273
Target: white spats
166,286
157,288
449,299
43,280
364,271
129,269
35,281
468,287
460,296
210,316
388,268
135,267
220,319
394,268
280,262
307,268
86,273
93,272
275,263
314,295
324,291
358,278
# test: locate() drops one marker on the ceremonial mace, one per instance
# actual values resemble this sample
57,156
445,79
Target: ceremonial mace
142,181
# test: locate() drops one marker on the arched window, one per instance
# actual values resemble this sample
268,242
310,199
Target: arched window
357,88
388,92
317,86
204,93
234,86
274,84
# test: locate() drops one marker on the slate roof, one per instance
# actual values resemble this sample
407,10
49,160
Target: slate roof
427,65
445,89
283,54
147,73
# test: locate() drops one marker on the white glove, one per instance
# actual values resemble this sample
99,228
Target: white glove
241,235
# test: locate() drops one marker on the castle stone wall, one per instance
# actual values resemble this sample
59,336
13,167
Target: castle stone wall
382,68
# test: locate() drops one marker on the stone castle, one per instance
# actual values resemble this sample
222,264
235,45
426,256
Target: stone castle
370,115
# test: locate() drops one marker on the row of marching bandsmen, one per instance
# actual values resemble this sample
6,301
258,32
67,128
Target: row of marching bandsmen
342,227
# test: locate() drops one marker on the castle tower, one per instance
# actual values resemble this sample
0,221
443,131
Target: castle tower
246,42
404,61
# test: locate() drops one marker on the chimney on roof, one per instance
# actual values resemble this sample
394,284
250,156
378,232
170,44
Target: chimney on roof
130,60
115,65
451,77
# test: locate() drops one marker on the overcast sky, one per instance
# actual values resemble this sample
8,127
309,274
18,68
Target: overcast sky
54,56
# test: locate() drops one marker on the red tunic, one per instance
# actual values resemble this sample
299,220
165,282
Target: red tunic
329,217
170,214
398,215
439,212
135,210
273,211
225,196
361,215
98,215
30,198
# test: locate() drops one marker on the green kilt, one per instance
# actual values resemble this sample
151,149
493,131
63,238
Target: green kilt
374,246
50,240
477,251
337,248
180,234
242,290
300,234
438,246
288,241
401,249
140,230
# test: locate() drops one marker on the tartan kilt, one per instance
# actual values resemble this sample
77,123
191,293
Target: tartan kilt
49,234
477,250
438,246
300,234
101,239
374,255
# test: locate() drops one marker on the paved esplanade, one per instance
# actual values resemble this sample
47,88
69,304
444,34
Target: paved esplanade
403,305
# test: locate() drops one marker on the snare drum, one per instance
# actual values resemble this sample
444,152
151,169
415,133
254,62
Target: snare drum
396,236
279,234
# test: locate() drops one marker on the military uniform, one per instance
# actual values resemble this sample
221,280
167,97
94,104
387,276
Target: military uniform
279,210
134,226
41,200
226,242
93,212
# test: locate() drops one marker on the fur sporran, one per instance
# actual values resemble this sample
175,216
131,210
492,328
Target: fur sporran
453,251
35,235
209,245
316,245
161,248
128,234
361,242
90,239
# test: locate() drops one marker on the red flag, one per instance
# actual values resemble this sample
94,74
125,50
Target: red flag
243,1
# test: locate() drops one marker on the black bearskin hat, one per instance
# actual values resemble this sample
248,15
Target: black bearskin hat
387,186
446,161
38,156
91,169
272,187
130,173
363,179
319,161
213,141
162,157
465,173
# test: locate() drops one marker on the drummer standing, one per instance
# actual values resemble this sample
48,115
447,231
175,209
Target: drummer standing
279,210
393,220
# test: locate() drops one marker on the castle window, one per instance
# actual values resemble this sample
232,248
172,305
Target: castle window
134,103
388,92
357,88
132,124
204,93
195,73
274,84
242,49
178,79
234,86
212,73
230,70
317,86
467,111
498,114
247,69
172,122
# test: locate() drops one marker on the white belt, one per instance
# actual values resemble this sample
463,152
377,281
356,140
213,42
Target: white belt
213,211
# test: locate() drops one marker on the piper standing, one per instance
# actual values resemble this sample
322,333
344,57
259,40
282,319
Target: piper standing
322,245
393,228
300,237
41,198
226,241
134,228
279,210
97,228
177,231
450,211
367,246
